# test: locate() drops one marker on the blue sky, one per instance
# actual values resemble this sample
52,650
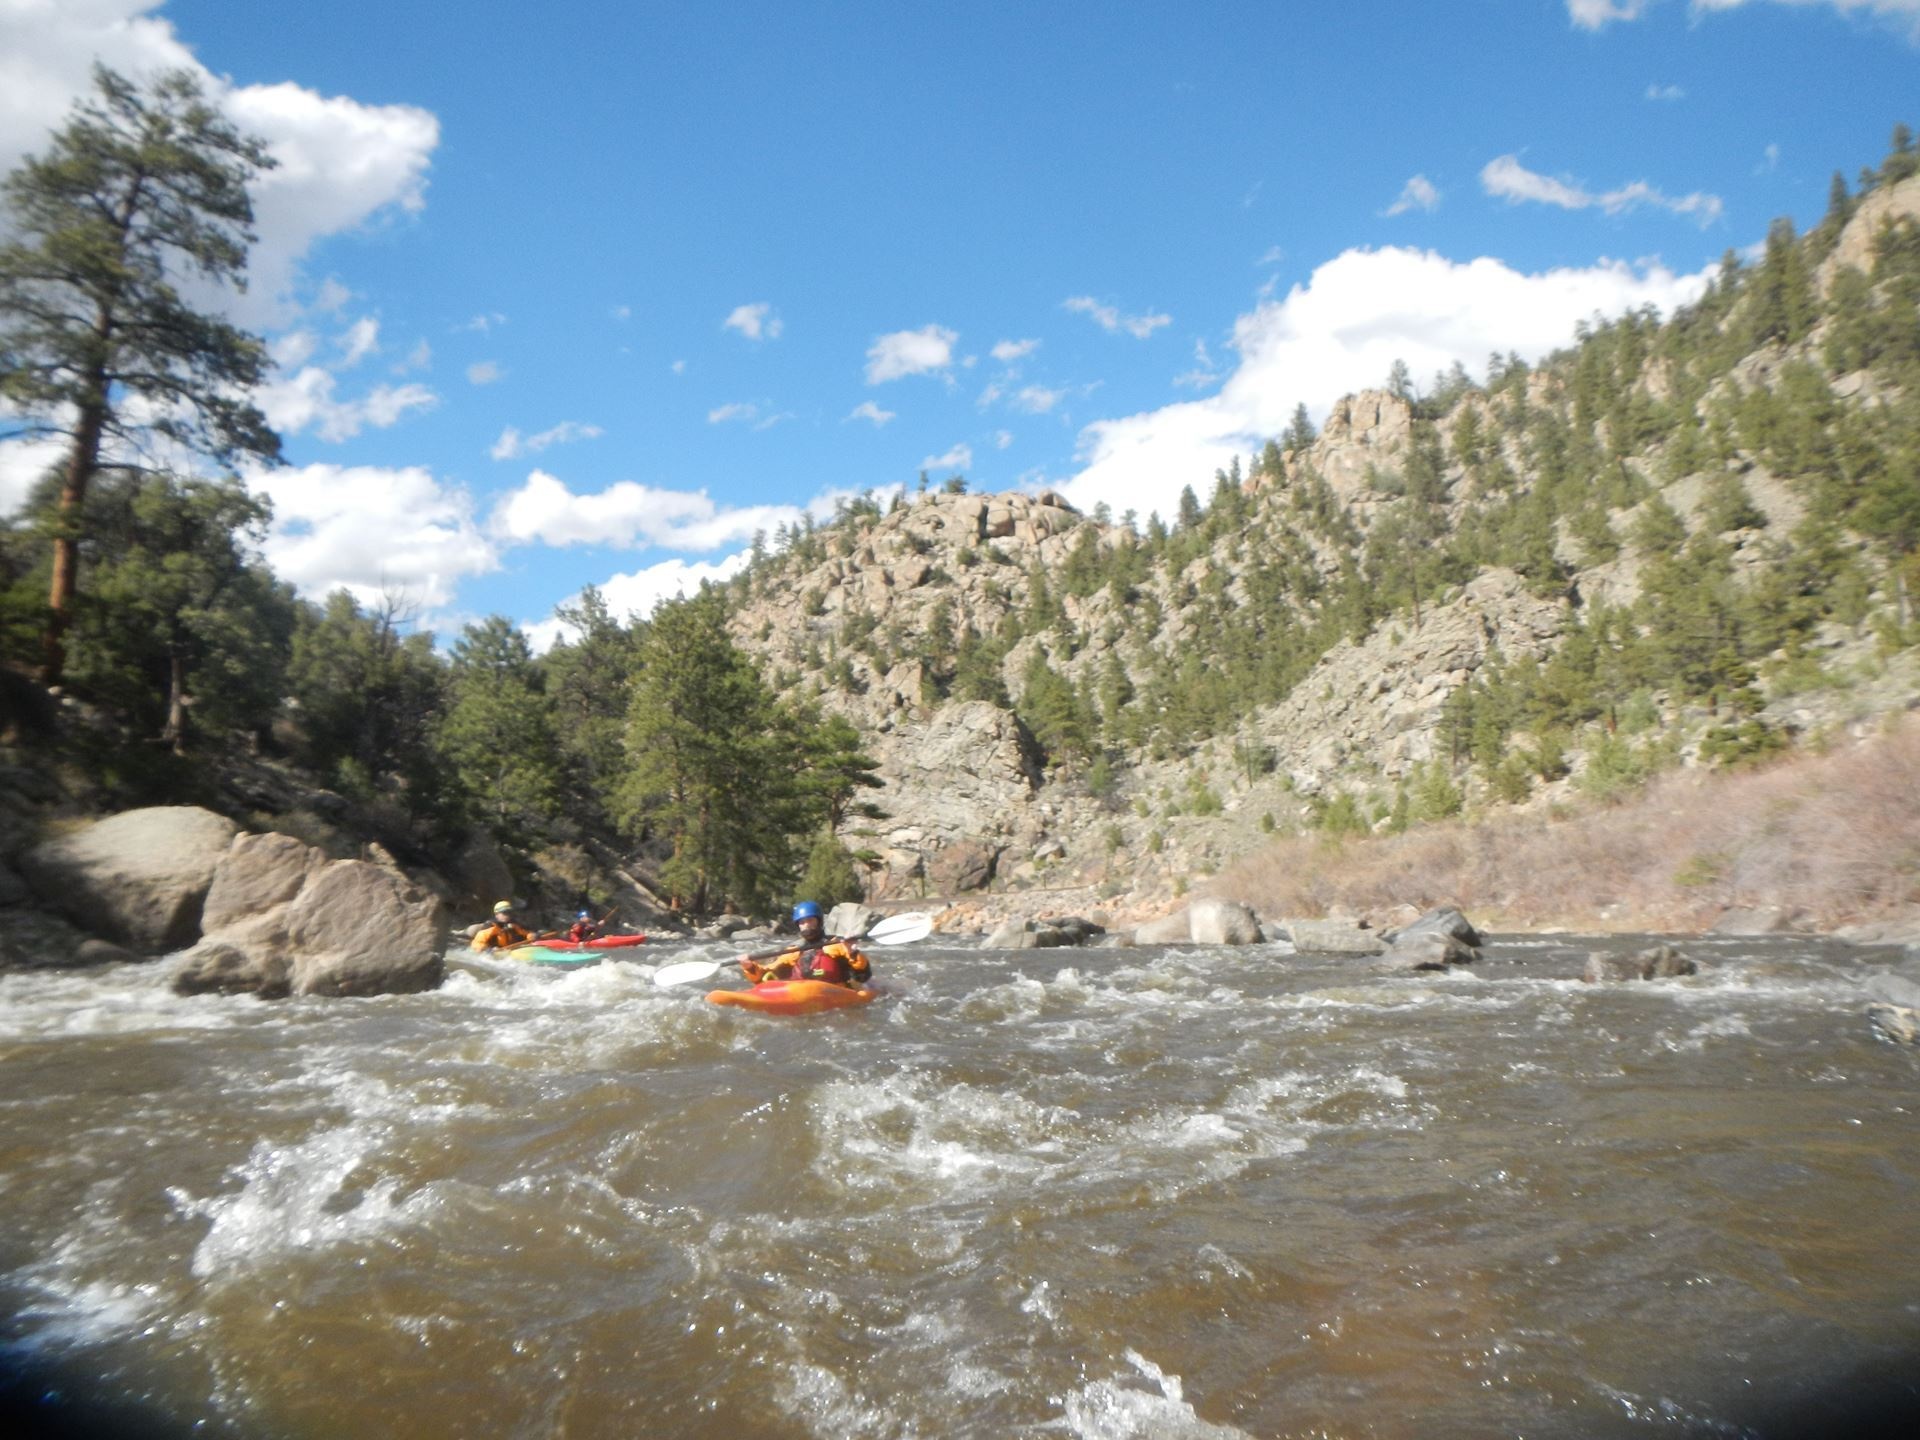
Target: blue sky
590,292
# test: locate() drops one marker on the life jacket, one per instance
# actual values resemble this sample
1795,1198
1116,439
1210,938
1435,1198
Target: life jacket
498,936
583,930
838,962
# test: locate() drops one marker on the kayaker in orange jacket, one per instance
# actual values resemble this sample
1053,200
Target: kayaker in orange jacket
837,961
503,933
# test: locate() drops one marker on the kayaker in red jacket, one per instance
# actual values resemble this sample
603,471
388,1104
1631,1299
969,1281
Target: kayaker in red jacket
837,961
583,927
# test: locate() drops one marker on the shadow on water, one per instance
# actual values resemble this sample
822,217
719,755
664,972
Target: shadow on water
41,1401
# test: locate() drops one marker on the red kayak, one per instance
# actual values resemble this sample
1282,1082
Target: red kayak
605,942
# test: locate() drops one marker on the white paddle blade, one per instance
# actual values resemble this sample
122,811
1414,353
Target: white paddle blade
902,929
687,970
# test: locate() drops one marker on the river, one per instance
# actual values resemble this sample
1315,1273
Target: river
1161,1192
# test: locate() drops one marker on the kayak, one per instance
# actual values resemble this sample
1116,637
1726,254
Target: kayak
792,997
544,954
605,942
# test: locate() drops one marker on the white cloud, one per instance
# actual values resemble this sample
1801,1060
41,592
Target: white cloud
926,351
1417,194
330,298
418,358
622,312
736,410
1770,160
1112,321
960,457
1037,399
368,528
1008,351
1001,439
1204,372
1273,256
342,163
1665,92
628,516
485,372
867,410
305,401
756,322
637,594
1900,15
1507,178
513,444
1593,14
361,340
22,463
482,324
1342,331
293,348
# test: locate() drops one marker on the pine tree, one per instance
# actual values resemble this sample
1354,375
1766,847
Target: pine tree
497,736
140,190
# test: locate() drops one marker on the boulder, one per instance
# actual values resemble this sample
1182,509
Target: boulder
1174,929
222,968
965,865
1334,937
1898,1023
101,952
1427,950
1222,922
479,873
1446,921
1897,985
1014,935
1656,963
852,918
1078,930
724,925
283,919
361,929
33,939
138,878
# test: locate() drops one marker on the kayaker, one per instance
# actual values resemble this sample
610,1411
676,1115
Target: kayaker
583,928
837,961
503,932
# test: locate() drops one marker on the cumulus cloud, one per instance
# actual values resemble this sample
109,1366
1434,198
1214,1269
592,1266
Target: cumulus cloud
366,529
512,444
960,457
926,351
1508,179
867,410
1417,194
628,516
637,593
361,340
1008,351
1901,15
1342,331
342,163
756,322
1593,14
1665,92
306,400
1037,399
1112,321
738,410
485,372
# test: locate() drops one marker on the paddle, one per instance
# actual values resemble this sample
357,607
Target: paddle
894,930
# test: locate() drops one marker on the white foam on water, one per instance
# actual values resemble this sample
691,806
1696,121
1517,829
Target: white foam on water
1148,1404
115,1000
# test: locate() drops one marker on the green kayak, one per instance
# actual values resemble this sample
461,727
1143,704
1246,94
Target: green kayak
557,959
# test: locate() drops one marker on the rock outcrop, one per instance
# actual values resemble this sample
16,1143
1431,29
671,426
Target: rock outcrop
138,878
282,919
1334,937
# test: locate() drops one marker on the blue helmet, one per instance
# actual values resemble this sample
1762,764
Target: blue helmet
805,910
584,915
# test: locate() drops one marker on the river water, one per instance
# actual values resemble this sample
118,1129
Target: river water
1156,1192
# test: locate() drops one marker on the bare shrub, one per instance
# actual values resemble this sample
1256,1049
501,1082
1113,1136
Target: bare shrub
1834,838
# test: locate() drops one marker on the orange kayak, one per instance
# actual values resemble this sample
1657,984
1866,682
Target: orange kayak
792,997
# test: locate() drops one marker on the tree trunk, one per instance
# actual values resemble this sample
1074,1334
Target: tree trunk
176,731
81,464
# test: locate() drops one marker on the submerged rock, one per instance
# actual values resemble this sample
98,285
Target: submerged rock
1656,963
1898,1023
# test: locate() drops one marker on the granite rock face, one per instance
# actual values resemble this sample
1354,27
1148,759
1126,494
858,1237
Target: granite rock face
139,878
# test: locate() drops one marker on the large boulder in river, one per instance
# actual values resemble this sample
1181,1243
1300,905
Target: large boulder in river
1446,920
1334,937
1222,922
138,878
282,919
1174,929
